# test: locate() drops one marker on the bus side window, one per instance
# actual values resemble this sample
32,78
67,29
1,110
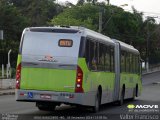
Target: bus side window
134,64
94,57
137,65
107,58
131,62
101,57
87,54
90,54
94,64
127,62
123,61
111,59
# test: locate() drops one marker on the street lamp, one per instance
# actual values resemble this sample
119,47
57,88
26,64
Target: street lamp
1,38
9,65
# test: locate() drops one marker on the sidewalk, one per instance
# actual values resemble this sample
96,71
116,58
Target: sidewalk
7,87
7,92
151,70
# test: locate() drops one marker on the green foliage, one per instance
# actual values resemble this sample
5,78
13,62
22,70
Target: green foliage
128,27
11,20
77,16
37,11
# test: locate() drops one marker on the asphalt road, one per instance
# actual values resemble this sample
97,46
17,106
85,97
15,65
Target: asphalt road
150,96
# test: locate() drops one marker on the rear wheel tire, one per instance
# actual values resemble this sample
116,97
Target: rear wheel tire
134,94
97,103
121,101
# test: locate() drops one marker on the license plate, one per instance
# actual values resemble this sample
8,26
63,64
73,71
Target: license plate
45,96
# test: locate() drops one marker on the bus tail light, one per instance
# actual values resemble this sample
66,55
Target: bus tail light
79,80
18,76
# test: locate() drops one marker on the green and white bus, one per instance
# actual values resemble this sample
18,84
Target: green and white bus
77,66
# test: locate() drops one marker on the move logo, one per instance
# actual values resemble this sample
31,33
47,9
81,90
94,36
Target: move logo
131,106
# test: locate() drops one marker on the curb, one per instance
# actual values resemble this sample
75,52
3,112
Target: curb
156,83
7,93
150,72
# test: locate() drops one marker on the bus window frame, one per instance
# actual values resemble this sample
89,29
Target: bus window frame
107,46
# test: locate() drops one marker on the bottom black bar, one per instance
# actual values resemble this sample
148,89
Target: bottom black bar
7,116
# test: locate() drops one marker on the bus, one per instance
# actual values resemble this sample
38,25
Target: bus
77,66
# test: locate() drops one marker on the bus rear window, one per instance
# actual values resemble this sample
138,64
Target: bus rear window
37,43
65,43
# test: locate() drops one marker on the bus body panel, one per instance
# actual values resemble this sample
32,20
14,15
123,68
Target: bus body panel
48,79
130,81
86,99
19,59
46,65
66,95
93,79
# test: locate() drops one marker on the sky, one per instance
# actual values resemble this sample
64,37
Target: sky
148,7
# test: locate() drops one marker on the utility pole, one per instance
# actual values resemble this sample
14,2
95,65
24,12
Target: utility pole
108,2
147,50
100,20
101,9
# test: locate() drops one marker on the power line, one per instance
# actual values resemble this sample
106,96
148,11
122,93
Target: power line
155,13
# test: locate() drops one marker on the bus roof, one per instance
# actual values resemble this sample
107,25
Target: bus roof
127,47
101,37
85,32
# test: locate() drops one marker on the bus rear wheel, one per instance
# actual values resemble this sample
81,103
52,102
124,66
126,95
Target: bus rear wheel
45,106
97,103
135,91
121,101
134,94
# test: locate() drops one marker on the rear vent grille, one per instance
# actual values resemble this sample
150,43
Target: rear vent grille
53,30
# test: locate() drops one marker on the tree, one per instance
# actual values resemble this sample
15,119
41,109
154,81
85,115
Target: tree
108,2
38,12
94,2
80,2
12,22
85,15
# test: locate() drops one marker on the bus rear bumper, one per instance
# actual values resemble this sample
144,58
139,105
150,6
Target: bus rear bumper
86,99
